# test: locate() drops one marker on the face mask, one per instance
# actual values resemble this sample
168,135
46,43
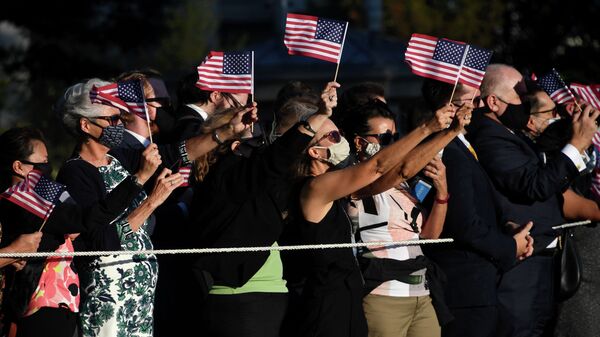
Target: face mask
112,136
372,149
338,153
164,119
516,116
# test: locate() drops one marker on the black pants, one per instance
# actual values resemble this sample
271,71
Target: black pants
48,322
472,322
248,315
526,298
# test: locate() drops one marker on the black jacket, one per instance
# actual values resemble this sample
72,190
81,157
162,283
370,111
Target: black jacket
480,251
66,218
188,123
241,202
527,189
86,186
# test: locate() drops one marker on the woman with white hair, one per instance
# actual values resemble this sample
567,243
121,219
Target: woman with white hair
119,290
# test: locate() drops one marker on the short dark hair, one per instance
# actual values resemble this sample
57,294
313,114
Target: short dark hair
16,145
357,118
354,96
189,93
435,93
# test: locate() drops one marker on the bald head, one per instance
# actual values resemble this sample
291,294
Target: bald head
501,79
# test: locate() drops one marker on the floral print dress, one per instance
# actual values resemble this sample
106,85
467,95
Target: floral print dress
118,290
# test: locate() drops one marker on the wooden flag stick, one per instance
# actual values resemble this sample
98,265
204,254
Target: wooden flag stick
252,92
45,219
337,68
473,98
462,62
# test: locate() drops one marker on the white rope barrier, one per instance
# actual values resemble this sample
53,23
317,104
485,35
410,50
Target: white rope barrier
225,250
250,249
573,224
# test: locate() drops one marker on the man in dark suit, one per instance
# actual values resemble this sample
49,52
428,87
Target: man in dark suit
527,190
481,251
196,105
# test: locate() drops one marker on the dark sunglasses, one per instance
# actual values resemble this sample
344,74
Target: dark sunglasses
112,120
385,138
333,136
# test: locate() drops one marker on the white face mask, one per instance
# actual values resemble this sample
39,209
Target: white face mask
337,152
371,149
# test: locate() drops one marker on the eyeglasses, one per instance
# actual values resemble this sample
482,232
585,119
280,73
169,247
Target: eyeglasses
333,136
461,102
385,138
112,120
553,111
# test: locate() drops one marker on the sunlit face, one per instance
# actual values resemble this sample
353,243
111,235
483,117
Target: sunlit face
236,100
468,94
541,113
39,155
107,116
510,92
381,131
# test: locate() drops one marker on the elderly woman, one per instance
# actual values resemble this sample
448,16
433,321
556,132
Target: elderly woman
119,290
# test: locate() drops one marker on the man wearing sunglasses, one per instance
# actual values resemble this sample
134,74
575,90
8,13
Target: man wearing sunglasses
196,105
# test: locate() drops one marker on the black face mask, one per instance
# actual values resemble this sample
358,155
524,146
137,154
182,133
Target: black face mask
516,116
44,168
165,120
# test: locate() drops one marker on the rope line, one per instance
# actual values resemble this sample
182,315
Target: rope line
250,249
226,250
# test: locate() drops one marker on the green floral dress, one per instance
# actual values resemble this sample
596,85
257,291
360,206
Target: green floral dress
119,289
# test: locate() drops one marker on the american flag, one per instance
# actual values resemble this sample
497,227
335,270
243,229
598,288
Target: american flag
555,87
446,60
37,194
132,93
596,173
107,95
185,172
315,37
589,93
227,72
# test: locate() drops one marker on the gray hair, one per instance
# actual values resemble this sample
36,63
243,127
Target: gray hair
76,103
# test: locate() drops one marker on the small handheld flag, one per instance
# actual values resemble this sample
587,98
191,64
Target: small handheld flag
231,72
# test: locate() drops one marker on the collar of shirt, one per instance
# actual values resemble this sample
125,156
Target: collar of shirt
141,139
198,110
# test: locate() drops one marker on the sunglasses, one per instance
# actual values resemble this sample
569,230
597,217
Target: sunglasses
333,136
385,138
112,120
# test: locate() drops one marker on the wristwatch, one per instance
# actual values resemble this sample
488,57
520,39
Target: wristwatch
135,180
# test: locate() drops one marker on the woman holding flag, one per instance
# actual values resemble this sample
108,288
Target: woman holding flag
43,298
120,289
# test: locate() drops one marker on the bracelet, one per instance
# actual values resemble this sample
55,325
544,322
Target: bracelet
307,127
442,201
215,137
136,181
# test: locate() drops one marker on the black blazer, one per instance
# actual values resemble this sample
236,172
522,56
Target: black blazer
527,189
480,250
188,123
130,142
241,202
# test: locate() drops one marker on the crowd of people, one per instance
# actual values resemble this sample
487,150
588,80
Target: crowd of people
494,168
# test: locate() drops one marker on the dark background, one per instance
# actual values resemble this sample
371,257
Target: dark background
47,46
